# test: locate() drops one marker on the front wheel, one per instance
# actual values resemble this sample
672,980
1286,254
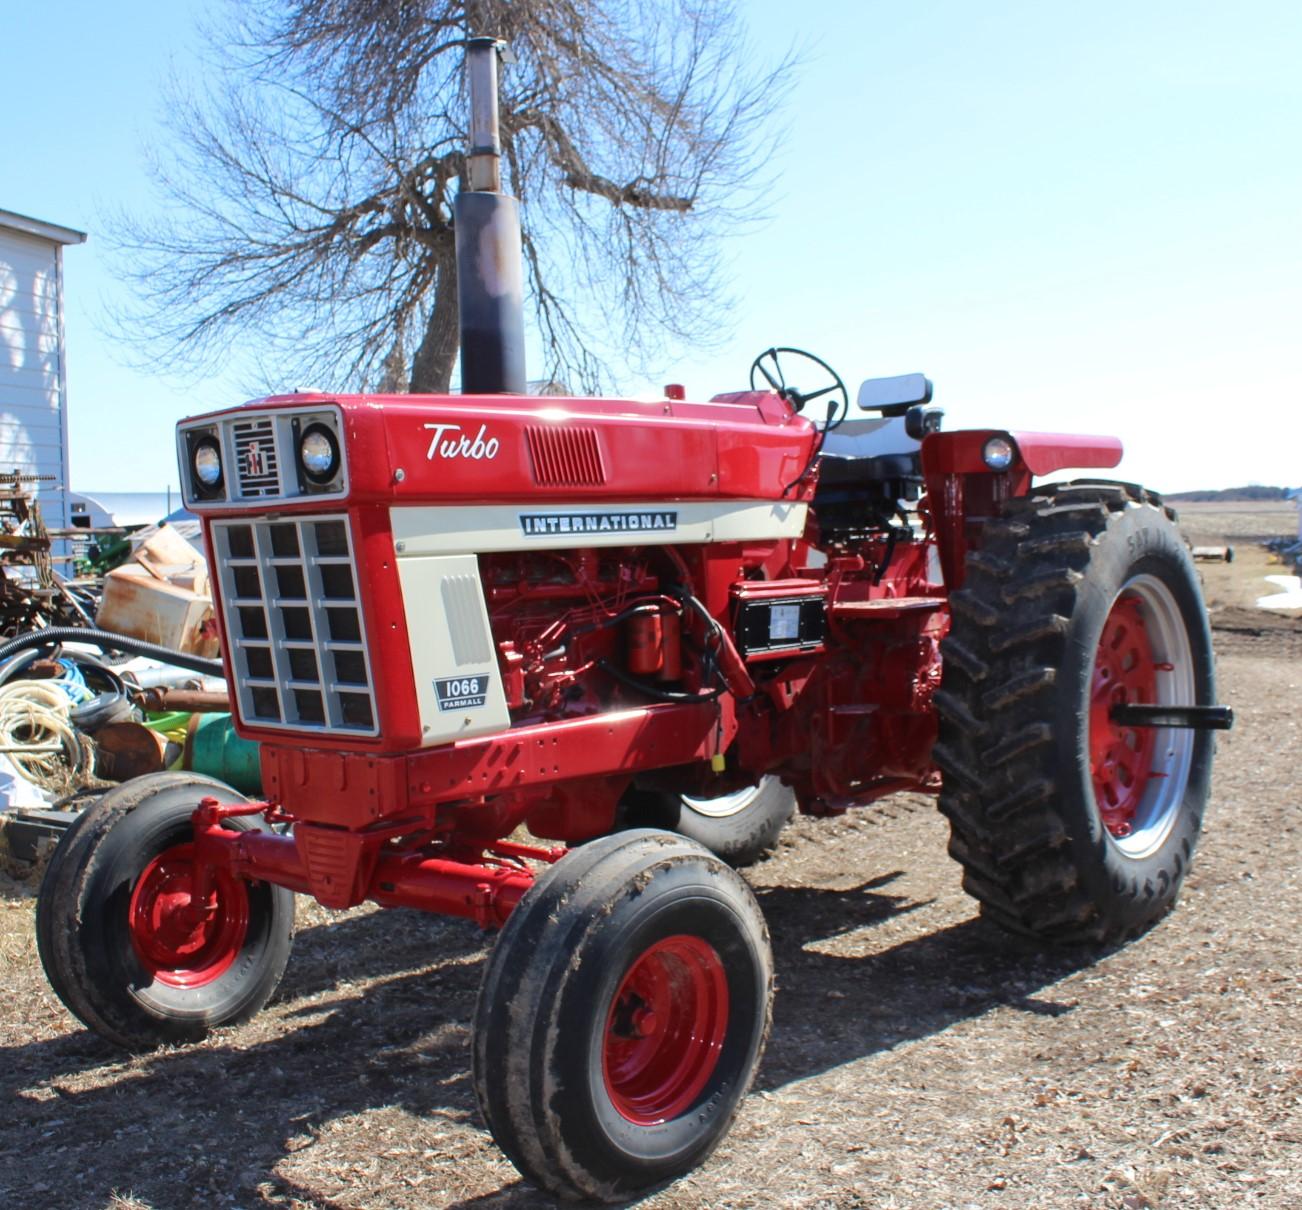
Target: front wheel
622,1016
126,946
1069,824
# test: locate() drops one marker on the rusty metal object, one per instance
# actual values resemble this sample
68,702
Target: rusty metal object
127,750
183,701
147,608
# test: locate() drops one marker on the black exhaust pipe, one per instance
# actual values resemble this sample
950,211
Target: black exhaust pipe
490,276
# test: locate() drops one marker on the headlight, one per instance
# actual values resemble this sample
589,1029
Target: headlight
207,461
318,452
998,453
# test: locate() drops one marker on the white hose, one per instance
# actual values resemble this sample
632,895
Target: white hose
38,739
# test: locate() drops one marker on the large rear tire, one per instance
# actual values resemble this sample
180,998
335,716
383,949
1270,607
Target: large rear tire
622,1016
112,927
1069,826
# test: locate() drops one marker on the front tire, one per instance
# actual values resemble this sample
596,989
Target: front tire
112,930
1068,826
622,1016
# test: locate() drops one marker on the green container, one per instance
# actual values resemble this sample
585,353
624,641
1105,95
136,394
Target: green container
214,748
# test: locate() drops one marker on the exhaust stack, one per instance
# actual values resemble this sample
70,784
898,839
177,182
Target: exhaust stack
490,285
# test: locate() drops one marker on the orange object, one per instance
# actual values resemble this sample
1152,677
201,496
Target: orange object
645,643
671,647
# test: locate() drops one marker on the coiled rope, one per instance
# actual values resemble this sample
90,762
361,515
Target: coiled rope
40,741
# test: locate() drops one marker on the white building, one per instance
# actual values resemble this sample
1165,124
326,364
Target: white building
33,378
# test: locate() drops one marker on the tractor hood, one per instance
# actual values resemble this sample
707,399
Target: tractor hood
414,449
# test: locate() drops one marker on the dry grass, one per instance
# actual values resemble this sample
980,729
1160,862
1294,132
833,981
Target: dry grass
918,1059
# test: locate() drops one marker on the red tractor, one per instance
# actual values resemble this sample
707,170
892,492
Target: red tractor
447,619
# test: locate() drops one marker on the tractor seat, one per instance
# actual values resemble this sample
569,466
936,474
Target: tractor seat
866,439
840,471
884,447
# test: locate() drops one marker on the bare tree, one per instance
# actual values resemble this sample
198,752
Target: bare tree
309,196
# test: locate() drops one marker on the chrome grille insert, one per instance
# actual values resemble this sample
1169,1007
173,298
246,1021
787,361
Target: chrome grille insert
257,469
295,626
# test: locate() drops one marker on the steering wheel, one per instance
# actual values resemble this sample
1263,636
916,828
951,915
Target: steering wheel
778,381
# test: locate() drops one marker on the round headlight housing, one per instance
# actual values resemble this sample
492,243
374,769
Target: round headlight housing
207,463
998,453
318,453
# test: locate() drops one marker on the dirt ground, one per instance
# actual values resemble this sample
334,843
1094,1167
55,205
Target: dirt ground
919,1058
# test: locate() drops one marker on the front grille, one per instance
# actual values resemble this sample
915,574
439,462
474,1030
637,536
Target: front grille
295,625
260,456
257,469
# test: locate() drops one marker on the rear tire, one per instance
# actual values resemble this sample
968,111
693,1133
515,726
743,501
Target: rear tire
741,827
1068,826
113,948
622,1016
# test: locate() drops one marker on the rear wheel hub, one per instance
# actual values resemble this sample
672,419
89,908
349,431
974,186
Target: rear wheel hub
1139,773
1125,673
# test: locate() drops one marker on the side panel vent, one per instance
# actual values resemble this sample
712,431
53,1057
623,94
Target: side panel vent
565,457
462,602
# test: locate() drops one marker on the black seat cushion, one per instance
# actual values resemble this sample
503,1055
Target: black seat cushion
836,471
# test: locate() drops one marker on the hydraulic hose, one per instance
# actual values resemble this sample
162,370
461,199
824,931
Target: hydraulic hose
18,663
106,640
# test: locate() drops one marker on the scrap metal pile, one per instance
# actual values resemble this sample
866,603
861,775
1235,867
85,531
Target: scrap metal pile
33,594
105,675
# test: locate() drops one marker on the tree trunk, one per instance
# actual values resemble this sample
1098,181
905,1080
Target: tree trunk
431,368
394,379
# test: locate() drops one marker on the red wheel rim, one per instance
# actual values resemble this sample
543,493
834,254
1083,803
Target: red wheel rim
665,1030
1121,758
181,942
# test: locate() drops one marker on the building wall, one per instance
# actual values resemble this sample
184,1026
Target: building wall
33,414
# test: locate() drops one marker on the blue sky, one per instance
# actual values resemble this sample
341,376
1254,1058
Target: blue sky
1072,217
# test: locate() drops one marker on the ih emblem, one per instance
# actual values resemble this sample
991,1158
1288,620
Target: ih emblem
254,460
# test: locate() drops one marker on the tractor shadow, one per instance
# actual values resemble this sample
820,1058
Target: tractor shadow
374,1016
834,1007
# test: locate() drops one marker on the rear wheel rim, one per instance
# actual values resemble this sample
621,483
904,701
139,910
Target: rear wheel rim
1139,774
665,1030
179,942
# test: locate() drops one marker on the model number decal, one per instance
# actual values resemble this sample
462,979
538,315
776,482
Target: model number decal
537,524
450,442
461,692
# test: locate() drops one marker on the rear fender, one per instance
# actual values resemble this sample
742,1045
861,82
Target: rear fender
963,492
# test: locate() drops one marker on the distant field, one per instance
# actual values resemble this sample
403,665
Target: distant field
1245,526
1215,523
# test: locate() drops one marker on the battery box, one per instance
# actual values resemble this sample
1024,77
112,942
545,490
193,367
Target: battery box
776,618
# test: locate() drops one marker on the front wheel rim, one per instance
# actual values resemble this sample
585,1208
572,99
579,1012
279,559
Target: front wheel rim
179,942
1139,774
665,1030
